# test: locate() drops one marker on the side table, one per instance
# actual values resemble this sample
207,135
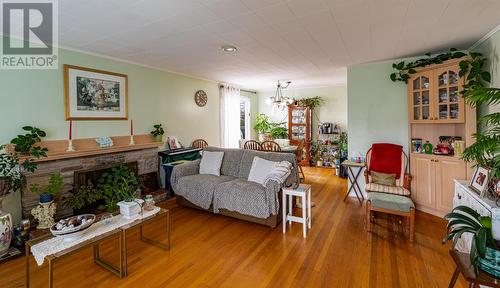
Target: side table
353,176
304,192
464,267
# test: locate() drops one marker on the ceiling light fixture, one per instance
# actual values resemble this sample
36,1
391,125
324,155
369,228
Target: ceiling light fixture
278,101
228,48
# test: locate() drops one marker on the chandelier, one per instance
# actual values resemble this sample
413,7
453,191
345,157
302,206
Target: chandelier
278,101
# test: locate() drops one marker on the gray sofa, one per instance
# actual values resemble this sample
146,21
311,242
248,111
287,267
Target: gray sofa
231,194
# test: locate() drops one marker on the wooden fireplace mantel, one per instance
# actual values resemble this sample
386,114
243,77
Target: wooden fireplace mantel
88,147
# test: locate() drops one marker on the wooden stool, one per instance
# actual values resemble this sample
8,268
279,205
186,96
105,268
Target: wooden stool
391,204
304,192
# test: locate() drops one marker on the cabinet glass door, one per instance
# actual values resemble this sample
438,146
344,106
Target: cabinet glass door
450,106
420,90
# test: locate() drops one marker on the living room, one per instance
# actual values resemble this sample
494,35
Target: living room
235,143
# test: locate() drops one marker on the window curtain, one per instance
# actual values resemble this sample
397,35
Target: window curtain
229,116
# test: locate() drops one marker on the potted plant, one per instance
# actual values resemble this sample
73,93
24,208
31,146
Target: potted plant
312,102
158,132
278,131
83,197
120,187
484,249
263,127
47,193
25,146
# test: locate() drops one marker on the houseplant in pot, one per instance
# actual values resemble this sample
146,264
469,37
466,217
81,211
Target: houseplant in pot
158,132
484,252
263,127
46,209
11,180
120,187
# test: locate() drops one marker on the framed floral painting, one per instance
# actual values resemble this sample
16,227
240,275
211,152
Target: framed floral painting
92,94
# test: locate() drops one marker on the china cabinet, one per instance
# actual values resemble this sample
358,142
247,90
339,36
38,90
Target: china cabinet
299,128
436,109
434,95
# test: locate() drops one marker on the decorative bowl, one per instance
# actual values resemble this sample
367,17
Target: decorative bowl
72,227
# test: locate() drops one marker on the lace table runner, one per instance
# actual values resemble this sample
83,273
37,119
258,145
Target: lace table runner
57,244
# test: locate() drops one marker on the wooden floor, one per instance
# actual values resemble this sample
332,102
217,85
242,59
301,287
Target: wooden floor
215,251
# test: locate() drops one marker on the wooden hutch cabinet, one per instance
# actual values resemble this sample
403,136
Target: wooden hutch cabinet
299,128
436,108
434,95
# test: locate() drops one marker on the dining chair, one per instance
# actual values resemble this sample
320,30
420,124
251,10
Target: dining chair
199,143
252,145
271,146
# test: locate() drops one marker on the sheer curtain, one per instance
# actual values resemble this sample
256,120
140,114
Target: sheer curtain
229,116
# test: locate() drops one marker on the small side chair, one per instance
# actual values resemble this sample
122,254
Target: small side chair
199,143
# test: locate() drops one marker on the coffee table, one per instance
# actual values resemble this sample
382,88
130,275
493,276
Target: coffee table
119,233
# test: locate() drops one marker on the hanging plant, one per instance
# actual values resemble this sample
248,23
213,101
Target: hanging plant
312,102
403,69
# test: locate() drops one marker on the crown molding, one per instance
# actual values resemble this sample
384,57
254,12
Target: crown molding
484,38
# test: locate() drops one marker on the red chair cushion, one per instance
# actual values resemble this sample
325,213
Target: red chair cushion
386,158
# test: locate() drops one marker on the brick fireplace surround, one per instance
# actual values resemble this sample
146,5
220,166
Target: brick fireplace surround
145,154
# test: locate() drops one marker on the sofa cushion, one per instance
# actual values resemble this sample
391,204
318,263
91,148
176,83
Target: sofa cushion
242,196
211,162
248,155
260,169
397,190
231,161
199,189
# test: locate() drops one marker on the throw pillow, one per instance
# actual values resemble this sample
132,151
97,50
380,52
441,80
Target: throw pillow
260,169
383,178
211,162
279,173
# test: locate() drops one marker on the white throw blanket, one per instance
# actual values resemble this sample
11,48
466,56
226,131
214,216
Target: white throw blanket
279,173
57,244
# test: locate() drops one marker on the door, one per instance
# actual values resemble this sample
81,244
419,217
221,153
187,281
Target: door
245,118
422,184
446,171
419,97
448,104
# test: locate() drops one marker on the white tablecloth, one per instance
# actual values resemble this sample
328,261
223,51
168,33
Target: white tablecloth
57,244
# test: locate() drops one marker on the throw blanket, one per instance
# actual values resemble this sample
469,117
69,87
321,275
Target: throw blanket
279,173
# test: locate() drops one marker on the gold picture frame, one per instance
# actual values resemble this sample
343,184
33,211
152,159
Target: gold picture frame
92,94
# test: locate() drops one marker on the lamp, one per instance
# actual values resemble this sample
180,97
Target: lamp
278,101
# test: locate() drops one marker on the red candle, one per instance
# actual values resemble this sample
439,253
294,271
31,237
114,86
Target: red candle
70,129
131,128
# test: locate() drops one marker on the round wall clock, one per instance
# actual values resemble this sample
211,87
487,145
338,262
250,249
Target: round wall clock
200,97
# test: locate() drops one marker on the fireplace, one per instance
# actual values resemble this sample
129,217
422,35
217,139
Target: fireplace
92,176
79,170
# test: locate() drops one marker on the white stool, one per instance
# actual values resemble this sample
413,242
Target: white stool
304,192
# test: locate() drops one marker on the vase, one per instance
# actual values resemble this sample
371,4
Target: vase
130,209
159,138
5,230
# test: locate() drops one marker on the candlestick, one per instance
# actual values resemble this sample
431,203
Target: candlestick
132,142
70,130
70,146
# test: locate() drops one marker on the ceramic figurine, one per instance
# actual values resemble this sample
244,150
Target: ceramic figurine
44,213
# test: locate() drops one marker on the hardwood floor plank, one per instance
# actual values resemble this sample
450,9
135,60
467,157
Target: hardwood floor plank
216,251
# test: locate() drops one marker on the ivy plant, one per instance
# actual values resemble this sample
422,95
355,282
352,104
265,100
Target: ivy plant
24,144
404,69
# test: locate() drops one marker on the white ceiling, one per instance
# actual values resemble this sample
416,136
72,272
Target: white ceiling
307,41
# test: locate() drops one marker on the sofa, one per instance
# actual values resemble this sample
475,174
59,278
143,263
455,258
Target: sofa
230,194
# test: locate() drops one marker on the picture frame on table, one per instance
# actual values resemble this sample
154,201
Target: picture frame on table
480,180
92,94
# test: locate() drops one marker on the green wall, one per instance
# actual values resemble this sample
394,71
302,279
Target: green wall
35,97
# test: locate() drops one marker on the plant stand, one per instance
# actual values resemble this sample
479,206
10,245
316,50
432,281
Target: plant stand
464,267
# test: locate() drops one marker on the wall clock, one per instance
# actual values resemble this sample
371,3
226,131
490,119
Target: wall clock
200,97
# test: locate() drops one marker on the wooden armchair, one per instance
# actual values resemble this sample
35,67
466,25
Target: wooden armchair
389,159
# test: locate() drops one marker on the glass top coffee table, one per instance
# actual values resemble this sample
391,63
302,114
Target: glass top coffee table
118,231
